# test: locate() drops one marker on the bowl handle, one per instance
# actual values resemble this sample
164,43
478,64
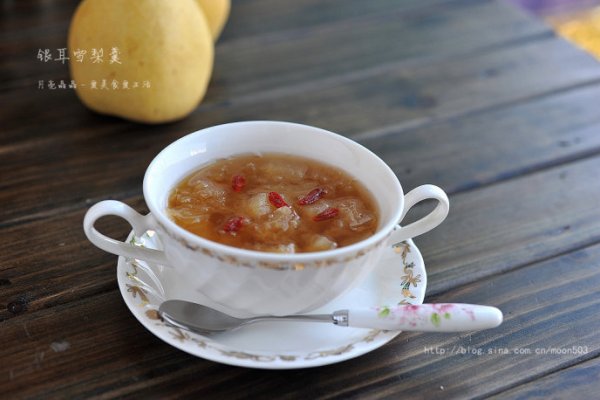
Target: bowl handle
140,224
428,222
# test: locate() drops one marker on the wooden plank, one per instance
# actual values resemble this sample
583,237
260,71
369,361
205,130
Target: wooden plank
489,231
52,263
426,34
49,22
260,17
577,382
28,27
504,226
43,347
423,94
546,305
247,18
483,148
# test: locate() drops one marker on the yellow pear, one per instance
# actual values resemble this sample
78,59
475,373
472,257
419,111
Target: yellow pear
216,12
144,60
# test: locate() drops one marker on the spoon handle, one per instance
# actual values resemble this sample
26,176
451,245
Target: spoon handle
441,317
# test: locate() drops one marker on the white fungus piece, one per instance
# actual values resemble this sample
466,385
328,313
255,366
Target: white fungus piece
280,170
320,243
206,189
354,213
309,211
258,205
187,216
283,219
281,248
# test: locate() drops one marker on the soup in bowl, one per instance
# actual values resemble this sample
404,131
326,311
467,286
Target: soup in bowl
275,203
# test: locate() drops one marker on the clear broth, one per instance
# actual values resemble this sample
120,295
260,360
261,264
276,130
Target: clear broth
315,207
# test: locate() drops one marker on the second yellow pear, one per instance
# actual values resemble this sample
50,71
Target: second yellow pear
216,12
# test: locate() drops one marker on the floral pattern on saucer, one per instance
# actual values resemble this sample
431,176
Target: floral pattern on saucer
402,270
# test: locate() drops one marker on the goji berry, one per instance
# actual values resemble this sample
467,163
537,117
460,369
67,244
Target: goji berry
312,196
237,183
233,224
327,214
276,199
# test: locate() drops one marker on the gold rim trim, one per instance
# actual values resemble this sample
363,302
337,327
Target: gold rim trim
232,260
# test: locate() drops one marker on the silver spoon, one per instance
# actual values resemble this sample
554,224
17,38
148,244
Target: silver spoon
442,317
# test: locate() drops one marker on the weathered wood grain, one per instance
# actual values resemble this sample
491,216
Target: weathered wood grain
333,50
52,263
407,95
507,225
259,17
247,18
483,148
548,304
419,95
107,351
577,382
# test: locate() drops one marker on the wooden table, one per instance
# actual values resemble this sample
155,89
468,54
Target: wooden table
470,95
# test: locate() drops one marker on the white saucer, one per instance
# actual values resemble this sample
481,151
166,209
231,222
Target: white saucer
399,278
